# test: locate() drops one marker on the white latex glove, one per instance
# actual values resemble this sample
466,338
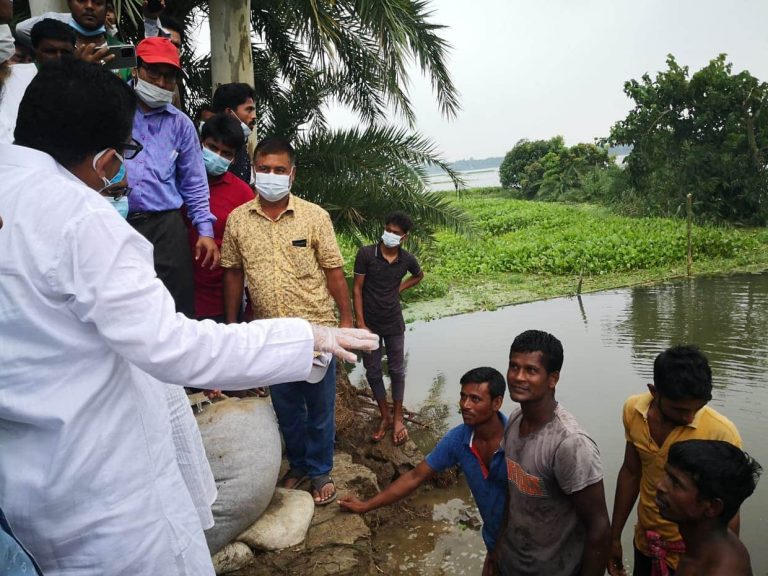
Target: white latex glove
339,341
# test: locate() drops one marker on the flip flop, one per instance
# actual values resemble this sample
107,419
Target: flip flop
293,474
378,436
317,483
402,434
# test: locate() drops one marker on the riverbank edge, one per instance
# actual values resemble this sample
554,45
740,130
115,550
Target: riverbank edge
512,289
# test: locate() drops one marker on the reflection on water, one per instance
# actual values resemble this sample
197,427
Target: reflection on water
610,341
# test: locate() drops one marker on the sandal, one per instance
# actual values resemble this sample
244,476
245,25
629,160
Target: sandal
318,483
378,436
399,437
295,477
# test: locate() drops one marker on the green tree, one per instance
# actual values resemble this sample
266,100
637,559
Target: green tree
512,172
705,134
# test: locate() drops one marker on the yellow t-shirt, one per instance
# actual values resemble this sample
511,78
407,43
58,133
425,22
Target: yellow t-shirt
707,425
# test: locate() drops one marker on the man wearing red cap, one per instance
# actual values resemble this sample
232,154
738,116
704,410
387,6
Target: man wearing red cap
168,175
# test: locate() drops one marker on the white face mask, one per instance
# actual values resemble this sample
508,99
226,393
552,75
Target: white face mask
153,96
390,239
272,187
243,126
7,49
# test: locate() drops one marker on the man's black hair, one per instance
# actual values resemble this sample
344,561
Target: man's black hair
538,341
719,470
170,23
497,386
72,109
226,129
50,29
400,219
683,373
231,96
273,145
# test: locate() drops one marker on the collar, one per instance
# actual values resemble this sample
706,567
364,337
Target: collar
644,404
378,254
255,206
470,430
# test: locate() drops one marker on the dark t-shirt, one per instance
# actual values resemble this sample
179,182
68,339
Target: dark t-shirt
381,290
241,165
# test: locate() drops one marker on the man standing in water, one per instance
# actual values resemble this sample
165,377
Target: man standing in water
705,483
474,446
673,409
556,518
379,272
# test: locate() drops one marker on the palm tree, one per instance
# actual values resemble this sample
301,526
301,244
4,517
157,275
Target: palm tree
310,53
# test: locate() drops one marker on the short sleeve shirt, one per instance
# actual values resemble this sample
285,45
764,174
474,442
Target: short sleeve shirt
707,425
381,289
544,534
488,486
284,259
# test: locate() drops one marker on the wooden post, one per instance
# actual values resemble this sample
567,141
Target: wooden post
689,205
38,7
231,56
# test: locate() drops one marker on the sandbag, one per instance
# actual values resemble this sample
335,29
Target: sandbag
242,442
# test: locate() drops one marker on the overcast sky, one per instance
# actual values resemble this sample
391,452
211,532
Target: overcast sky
538,68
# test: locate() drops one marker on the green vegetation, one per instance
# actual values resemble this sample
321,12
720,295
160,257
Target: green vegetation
528,250
704,134
550,170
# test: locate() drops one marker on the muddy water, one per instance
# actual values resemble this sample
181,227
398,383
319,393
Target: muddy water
610,340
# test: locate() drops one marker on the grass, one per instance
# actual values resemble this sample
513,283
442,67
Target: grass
525,251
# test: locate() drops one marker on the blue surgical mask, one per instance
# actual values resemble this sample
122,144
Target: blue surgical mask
390,239
120,205
272,187
84,31
119,177
215,165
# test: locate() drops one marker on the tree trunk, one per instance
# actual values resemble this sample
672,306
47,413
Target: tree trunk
38,7
231,57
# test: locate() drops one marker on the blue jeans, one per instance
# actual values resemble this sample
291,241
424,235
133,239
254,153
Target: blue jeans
306,414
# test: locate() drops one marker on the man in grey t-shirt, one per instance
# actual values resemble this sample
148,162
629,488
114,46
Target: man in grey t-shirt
557,521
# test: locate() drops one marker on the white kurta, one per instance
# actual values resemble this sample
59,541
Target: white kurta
88,477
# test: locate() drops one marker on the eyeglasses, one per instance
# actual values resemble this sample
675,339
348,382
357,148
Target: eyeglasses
131,149
118,192
154,74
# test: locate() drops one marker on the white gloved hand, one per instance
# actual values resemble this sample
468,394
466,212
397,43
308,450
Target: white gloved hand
339,341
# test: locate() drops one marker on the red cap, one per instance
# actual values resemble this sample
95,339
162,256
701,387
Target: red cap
158,50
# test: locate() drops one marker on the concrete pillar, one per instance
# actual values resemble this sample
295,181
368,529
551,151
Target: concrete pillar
231,57
38,7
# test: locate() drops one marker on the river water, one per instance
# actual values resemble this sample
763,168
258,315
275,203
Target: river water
610,340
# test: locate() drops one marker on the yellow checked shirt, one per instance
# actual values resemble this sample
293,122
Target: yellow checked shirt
284,259
707,425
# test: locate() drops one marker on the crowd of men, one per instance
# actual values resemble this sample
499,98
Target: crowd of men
149,253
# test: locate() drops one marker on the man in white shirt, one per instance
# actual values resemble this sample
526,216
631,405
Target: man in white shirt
88,480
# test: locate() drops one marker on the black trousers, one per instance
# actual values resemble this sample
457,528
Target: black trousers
167,232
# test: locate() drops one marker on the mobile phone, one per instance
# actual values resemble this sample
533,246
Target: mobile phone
125,57
154,6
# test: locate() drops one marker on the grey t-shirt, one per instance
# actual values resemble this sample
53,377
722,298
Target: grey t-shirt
544,535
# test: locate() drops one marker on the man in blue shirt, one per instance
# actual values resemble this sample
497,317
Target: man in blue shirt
168,175
474,446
